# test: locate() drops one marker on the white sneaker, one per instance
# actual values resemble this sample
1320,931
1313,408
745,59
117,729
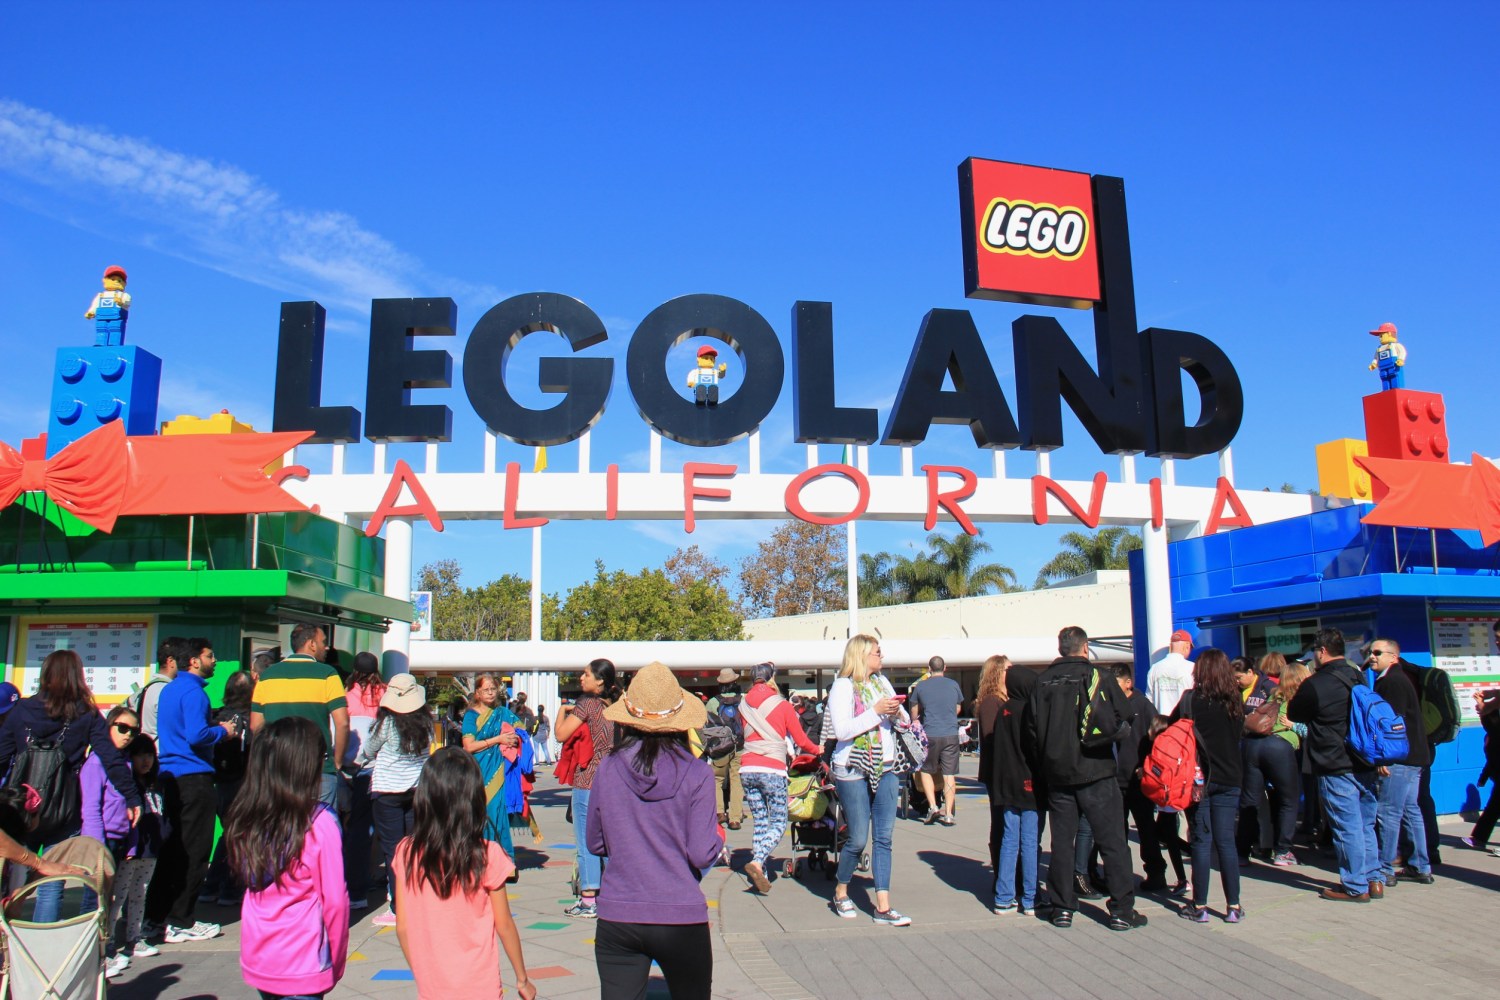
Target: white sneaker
144,949
200,931
116,965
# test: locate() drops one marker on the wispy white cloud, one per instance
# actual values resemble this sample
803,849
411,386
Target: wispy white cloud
728,538
215,214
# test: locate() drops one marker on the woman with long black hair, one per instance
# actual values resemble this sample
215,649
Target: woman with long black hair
1218,713
654,815
397,748
600,689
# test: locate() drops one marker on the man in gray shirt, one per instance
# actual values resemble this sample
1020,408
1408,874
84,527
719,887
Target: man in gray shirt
935,703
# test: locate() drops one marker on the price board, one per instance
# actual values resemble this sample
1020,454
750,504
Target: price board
1467,645
116,652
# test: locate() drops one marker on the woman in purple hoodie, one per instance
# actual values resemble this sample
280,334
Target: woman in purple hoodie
652,814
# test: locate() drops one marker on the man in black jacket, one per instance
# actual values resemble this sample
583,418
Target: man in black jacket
1400,783
1080,776
1347,785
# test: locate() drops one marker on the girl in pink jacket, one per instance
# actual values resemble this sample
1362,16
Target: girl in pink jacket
286,849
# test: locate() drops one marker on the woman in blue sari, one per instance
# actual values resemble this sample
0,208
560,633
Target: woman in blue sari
483,737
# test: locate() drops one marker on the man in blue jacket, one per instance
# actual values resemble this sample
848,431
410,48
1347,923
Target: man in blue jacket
186,735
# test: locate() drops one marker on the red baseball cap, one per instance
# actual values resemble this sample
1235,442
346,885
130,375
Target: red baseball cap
1383,328
115,271
1181,636
706,351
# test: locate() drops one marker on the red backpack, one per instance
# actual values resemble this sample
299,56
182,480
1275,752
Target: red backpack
1169,771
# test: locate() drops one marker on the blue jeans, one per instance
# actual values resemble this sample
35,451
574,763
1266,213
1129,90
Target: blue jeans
1398,803
1212,823
328,792
864,811
1351,804
590,866
1019,840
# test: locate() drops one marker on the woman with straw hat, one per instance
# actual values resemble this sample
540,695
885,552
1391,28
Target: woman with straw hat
653,815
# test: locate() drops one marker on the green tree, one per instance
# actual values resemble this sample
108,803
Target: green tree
799,570
1106,548
877,587
645,606
498,611
961,573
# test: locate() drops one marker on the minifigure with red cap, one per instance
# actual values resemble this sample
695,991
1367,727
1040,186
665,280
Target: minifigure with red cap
1390,358
704,379
110,309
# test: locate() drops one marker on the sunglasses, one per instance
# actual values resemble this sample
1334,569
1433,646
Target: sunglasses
125,730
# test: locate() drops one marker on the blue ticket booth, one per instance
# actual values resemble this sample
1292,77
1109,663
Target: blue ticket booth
1271,587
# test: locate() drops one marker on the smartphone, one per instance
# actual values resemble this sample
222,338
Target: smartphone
899,697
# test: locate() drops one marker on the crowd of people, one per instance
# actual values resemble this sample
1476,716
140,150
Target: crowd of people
303,766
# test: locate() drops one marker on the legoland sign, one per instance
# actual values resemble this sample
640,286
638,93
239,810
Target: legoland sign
1030,234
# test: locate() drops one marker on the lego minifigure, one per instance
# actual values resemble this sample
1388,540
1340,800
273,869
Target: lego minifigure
1390,357
110,310
704,379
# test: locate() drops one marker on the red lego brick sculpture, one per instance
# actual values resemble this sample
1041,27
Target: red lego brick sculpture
1408,425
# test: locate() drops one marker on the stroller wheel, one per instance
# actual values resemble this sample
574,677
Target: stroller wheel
864,862
790,868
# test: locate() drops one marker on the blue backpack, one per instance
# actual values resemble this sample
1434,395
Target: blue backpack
1377,735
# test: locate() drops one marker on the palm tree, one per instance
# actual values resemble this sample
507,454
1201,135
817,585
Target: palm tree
877,587
960,572
1084,553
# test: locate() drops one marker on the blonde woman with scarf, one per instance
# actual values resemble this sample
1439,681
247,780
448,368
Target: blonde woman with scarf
863,709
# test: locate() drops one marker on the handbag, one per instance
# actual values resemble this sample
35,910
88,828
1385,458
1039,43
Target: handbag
1262,721
911,748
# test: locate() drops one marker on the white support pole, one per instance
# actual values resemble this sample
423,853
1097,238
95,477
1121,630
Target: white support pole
906,463
1158,591
489,452
583,452
379,462
431,458
863,452
655,453
1044,464
397,649
812,455
1169,472
338,459
755,452
999,463
1226,464
852,579
1127,468
536,584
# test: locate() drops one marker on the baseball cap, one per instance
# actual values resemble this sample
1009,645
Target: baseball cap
9,695
1181,635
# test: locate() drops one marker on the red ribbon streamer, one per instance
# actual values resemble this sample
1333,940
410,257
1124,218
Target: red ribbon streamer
1437,495
106,475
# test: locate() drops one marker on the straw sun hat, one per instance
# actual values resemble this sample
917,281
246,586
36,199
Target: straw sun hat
656,703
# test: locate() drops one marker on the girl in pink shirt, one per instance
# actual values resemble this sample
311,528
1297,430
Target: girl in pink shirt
286,849
451,903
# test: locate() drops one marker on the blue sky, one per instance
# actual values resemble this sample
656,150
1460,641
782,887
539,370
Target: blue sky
1295,177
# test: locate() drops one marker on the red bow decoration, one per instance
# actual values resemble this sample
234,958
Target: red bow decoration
1437,495
106,475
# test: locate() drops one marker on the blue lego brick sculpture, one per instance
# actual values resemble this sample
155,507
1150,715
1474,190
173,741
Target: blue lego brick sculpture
92,386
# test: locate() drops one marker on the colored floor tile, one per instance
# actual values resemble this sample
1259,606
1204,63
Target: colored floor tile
550,972
393,975
563,847
546,925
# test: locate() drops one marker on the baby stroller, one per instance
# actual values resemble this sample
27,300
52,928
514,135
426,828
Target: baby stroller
812,807
62,960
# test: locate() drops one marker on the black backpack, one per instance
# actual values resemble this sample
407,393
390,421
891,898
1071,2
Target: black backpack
43,764
1440,713
718,738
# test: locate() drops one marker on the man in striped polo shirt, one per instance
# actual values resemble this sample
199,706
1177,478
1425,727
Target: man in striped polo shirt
303,685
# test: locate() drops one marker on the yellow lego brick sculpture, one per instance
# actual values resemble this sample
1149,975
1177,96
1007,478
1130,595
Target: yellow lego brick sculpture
1338,476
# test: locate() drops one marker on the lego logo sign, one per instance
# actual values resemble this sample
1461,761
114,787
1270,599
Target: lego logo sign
1028,234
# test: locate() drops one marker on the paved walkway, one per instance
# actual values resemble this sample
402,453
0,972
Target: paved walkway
1418,941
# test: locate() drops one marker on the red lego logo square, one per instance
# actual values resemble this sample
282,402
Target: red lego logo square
1028,234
